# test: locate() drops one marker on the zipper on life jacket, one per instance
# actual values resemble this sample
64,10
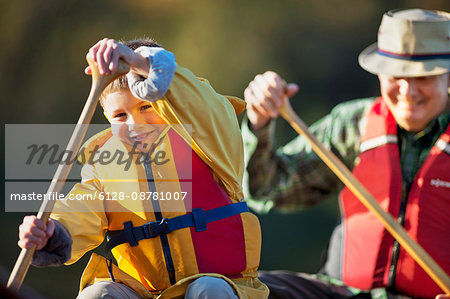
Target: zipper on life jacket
158,216
396,246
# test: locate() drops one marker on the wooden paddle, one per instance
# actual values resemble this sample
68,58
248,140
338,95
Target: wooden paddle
395,229
99,83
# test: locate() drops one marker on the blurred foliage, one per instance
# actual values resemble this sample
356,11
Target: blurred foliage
314,43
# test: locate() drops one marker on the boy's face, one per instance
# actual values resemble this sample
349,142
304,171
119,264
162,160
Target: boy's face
133,121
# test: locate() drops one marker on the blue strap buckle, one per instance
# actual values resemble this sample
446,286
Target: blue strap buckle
156,228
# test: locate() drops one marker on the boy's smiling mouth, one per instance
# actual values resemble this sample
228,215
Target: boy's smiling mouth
140,136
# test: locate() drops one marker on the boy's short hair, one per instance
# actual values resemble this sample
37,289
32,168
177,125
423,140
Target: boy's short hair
121,83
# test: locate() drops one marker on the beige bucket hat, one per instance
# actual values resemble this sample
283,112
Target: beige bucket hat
411,43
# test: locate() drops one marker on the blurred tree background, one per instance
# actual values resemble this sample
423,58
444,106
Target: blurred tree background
314,43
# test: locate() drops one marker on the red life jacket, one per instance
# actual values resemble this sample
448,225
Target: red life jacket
367,245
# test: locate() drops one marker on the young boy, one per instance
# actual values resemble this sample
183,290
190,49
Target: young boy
173,213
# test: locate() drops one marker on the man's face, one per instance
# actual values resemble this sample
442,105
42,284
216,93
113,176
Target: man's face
133,121
416,101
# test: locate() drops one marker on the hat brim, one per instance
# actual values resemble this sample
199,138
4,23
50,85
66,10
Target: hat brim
374,63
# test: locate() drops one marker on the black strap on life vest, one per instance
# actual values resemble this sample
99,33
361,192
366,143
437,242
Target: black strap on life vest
197,218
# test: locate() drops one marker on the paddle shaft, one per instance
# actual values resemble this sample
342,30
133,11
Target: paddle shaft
99,82
394,228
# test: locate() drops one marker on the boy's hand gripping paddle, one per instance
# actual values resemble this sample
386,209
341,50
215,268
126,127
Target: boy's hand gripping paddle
99,83
341,171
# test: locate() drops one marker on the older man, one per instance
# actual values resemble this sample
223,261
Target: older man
396,144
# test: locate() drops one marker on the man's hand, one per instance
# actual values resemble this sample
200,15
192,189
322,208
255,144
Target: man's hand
264,95
33,231
107,52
